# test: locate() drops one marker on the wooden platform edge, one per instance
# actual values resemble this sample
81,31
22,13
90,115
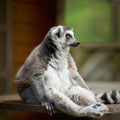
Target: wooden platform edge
14,103
20,106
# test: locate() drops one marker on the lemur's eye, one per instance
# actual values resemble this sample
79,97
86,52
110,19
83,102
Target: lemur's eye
68,36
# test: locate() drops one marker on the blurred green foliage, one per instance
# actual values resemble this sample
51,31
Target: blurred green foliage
91,19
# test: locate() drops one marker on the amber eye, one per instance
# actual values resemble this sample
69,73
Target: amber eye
68,36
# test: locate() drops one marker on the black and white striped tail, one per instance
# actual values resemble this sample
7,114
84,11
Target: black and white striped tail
112,97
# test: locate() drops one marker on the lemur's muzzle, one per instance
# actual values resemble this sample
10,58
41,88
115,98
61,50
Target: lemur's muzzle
75,43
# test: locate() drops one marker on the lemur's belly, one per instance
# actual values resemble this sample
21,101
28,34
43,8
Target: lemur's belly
58,79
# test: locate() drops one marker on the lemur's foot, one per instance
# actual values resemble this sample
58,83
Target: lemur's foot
97,110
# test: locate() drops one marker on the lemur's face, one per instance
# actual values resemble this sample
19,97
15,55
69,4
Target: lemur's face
63,36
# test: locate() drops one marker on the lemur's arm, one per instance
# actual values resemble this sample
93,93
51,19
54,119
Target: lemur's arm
73,69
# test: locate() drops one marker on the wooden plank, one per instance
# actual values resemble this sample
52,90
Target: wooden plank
32,13
9,98
36,2
9,46
13,102
21,52
28,33
114,108
16,68
2,27
20,106
28,1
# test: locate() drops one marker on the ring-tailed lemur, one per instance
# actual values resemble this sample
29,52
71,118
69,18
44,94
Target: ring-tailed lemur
49,77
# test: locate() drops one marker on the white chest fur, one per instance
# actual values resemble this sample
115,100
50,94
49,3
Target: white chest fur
58,75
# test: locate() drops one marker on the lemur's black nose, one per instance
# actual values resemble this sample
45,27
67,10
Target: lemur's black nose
76,43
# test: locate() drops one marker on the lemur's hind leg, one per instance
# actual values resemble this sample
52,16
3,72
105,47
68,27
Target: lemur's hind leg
66,105
81,96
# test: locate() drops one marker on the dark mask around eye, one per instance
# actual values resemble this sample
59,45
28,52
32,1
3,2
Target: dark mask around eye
68,36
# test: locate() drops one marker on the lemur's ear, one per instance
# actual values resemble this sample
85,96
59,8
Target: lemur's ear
59,33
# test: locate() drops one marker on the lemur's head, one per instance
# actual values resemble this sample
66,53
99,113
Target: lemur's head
63,36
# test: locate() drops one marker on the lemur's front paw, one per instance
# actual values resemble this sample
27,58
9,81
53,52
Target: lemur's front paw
97,110
49,108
